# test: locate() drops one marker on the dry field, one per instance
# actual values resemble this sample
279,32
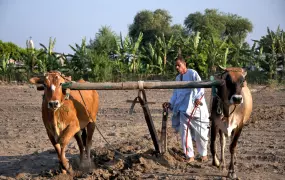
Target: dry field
26,153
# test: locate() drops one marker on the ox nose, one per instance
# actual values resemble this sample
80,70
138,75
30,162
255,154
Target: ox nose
53,104
236,99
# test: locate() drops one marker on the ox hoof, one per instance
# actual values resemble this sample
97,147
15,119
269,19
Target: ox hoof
232,175
66,168
216,163
85,164
68,171
63,171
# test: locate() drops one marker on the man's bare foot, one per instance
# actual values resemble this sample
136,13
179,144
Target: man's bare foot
190,160
204,158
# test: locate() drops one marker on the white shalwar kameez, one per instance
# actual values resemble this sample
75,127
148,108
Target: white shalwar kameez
182,104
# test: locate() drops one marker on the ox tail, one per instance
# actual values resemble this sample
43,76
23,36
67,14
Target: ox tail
84,136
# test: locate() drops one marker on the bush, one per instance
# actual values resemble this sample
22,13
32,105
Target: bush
256,77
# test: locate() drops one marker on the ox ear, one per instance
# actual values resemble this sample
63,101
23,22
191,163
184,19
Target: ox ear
36,80
222,68
68,78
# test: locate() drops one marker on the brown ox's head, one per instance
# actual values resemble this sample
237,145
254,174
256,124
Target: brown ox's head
230,96
230,92
53,92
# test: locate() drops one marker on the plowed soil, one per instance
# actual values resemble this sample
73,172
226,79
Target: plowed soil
26,152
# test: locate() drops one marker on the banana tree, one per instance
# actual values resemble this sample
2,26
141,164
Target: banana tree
240,53
189,44
152,59
4,66
32,63
197,54
166,46
271,58
49,58
281,49
217,52
123,49
80,61
273,48
135,54
128,52
183,44
193,49
254,56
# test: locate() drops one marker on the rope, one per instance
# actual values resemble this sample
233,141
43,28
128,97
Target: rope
206,122
110,146
188,124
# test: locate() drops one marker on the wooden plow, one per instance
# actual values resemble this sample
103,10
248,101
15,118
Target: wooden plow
160,146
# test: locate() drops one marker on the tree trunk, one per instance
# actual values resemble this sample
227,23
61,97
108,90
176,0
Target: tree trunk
283,68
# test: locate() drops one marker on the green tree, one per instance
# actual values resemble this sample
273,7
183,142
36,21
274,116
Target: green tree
177,31
105,41
237,27
218,24
211,23
151,24
10,48
101,68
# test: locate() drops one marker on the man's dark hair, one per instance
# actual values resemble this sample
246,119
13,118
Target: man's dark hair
180,58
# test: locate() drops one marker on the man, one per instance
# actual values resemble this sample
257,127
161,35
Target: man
182,103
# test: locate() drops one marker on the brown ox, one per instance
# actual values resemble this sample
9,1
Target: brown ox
231,109
64,115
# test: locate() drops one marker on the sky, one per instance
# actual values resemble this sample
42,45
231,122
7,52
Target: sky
69,21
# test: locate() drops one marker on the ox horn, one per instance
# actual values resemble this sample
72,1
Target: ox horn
223,68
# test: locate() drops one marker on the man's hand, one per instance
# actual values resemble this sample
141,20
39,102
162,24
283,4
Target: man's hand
166,105
198,102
